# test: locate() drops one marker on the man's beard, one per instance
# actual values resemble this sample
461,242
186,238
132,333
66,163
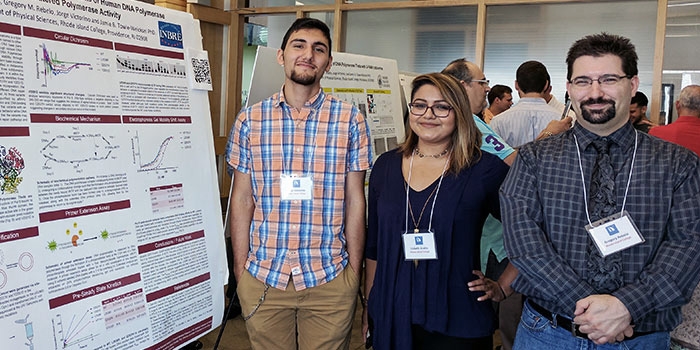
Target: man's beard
301,79
599,117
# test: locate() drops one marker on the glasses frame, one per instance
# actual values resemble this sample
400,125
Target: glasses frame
410,110
481,81
591,80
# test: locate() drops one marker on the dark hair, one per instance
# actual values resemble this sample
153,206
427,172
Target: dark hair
640,99
532,76
497,91
459,69
466,138
307,23
597,45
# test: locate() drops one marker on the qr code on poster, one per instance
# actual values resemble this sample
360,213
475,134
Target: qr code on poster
202,74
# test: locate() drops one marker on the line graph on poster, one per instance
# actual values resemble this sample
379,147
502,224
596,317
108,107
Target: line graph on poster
72,331
160,153
76,149
54,63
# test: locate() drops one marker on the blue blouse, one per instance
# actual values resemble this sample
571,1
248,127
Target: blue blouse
433,295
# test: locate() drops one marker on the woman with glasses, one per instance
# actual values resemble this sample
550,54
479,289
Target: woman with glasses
428,200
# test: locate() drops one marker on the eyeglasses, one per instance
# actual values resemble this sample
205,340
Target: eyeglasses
605,79
482,81
440,110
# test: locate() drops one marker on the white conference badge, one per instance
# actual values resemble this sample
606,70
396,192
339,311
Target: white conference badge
419,246
614,233
294,187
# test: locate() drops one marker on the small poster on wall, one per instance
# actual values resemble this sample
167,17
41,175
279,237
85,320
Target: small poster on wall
369,83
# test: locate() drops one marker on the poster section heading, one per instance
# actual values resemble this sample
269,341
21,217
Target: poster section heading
111,9
101,17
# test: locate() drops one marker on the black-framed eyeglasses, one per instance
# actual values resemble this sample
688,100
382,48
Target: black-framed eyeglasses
482,81
440,110
605,79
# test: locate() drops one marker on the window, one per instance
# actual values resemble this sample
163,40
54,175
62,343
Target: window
421,40
518,33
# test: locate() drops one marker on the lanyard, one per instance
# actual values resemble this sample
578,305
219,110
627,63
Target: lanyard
583,178
408,189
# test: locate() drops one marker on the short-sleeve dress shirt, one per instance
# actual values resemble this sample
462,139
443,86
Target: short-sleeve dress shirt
523,122
325,140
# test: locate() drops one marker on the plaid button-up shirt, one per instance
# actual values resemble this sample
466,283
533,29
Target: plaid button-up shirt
544,215
325,140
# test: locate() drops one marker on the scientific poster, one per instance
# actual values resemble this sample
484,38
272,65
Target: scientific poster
369,83
110,233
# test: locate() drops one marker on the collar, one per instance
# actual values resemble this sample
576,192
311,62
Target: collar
314,102
622,137
687,119
532,100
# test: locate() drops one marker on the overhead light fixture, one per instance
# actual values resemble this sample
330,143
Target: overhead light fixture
685,4
672,71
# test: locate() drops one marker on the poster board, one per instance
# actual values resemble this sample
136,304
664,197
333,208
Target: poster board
111,234
406,79
369,83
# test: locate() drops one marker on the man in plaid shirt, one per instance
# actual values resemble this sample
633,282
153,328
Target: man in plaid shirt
297,206
575,207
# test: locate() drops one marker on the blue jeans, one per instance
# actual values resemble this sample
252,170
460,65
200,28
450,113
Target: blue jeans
537,332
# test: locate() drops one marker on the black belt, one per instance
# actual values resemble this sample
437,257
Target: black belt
559,320
568,324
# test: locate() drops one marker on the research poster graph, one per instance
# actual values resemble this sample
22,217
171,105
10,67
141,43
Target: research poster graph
111,233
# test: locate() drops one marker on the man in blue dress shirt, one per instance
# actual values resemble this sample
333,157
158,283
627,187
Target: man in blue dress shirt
525,121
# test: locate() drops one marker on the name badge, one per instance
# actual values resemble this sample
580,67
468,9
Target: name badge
614,233
419,246
294,187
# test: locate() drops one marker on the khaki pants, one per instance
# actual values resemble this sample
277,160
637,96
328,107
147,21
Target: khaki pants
315,318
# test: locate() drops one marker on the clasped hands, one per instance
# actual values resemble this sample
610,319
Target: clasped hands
604,318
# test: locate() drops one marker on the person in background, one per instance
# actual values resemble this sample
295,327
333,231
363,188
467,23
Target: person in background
476,86
494,262
685,130
298,203
500,98
472,78
638,112
574,204
428,200
531,115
